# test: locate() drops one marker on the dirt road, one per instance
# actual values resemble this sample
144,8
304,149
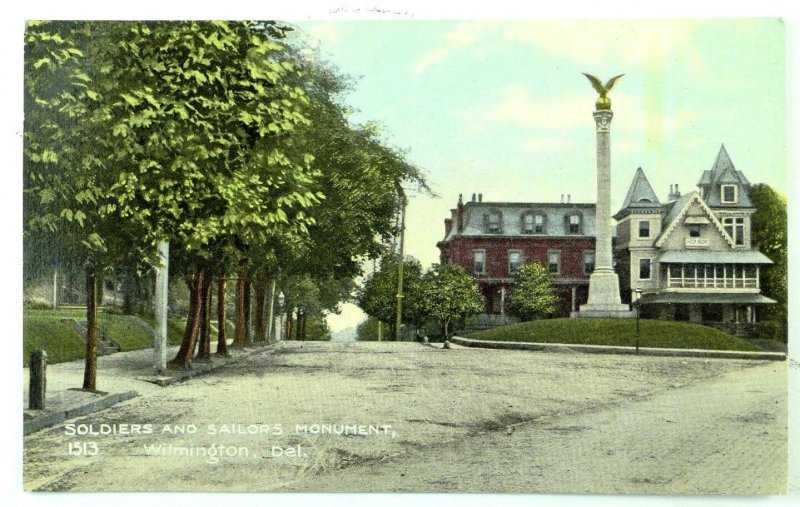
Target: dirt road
402,417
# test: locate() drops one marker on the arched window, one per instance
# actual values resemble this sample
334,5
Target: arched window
573,223
493,222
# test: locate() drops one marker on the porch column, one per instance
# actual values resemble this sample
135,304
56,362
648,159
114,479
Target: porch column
574,298
503,300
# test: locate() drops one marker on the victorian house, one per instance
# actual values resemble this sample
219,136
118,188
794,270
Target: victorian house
690,258
491,240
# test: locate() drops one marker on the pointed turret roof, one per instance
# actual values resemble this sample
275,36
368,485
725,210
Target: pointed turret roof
724,172
640,195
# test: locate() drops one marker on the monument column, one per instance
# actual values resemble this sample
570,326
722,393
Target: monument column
604,299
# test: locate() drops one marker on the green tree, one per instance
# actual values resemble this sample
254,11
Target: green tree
378,296
533,296
449,293
369,330
769,235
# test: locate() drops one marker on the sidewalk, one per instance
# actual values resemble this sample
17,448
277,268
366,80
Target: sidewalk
614,349
120,377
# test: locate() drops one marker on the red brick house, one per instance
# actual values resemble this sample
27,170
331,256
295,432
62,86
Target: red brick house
492,239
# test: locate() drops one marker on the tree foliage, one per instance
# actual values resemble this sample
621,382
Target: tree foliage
378,296
216,136
449,293
533,296
769,235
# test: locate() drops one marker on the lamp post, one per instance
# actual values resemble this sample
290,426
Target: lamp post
280,330
399,316
638,293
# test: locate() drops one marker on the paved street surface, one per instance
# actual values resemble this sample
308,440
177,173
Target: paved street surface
403,417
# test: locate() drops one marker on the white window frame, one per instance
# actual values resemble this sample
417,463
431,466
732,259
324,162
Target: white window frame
528,223
732,225
649,268
735,194
539,221
519,261
574,219
498,223
483,261
639,231
594,261
558,261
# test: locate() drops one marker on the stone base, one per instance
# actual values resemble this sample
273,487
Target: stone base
586,313
604,300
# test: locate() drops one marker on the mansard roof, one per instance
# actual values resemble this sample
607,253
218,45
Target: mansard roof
724,172
640,196
511,216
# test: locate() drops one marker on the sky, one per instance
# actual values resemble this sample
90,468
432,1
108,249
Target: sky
502,108
499,107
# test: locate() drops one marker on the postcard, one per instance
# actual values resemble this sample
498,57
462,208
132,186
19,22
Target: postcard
406,256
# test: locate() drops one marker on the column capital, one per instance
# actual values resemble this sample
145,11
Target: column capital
602,119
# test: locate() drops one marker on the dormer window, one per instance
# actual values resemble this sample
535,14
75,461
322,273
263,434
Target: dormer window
729,194
538,224
493,221
527,224
574,224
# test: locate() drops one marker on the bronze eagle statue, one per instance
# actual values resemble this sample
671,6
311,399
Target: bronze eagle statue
603,102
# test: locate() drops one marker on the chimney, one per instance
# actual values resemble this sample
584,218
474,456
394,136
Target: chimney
460,214
480,197
569,198
674,193
562,198
448,226
473,197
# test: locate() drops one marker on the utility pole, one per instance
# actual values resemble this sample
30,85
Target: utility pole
398,322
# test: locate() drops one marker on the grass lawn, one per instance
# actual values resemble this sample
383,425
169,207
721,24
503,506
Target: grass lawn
653,333
45,329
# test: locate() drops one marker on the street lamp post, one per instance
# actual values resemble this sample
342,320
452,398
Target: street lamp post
638,293
399,316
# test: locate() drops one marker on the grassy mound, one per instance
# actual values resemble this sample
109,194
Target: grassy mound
622,332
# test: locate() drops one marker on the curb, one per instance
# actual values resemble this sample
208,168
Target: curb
612,349
37,423
180,376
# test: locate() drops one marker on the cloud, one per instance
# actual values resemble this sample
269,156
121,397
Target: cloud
328,35
648,44
464,35
517,106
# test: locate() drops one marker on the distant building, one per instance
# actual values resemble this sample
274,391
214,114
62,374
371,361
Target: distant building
492,239
691,256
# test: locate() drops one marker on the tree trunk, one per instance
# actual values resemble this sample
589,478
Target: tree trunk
183,359
299,325
271,318
260,298
303,327
247,321
289,324
90,368
204,349
222,341
241,322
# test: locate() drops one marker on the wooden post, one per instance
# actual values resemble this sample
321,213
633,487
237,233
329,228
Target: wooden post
55,288
161,310
38,380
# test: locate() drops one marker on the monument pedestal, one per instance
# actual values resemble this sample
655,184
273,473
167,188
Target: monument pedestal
604,300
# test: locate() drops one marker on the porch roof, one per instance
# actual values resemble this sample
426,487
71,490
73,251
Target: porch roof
711,257
706,297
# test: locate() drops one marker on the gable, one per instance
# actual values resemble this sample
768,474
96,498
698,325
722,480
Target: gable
693,212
